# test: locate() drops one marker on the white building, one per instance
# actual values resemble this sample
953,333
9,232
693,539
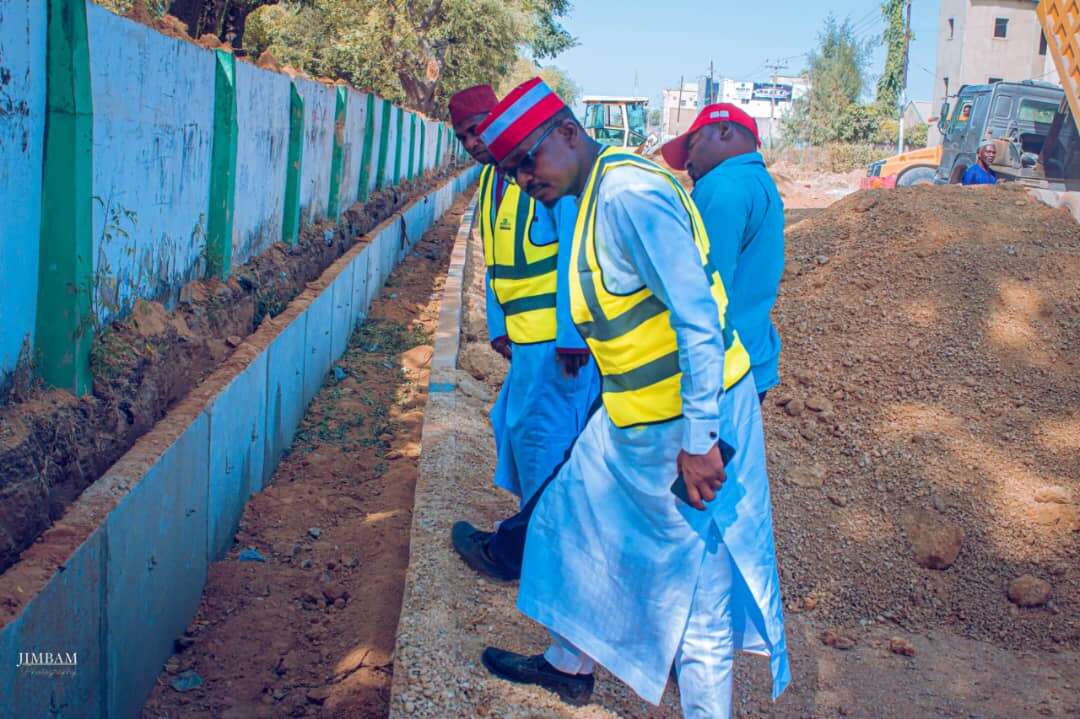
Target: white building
984,41
765,100
680,109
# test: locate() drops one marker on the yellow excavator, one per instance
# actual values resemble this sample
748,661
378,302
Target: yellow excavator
618,121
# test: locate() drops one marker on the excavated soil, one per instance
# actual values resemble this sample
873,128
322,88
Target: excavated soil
931,384
53,445
310,630
930,350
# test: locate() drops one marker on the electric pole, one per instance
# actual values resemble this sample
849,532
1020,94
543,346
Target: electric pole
774,66
903,84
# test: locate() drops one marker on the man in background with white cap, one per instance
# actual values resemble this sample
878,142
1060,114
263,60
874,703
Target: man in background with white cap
744,217
980,173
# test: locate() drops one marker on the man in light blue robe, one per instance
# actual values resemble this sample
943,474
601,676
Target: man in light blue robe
551,387
620,570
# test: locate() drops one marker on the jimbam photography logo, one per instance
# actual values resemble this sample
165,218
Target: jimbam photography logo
51,664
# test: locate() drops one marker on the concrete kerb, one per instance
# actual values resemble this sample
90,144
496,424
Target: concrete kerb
120,575
438,437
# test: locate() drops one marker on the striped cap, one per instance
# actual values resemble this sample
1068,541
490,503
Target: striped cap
523,110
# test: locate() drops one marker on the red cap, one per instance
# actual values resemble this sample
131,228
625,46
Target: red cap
471,101
524,109
674,151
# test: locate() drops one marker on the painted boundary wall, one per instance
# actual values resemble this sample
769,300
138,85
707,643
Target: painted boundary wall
169,163
22,128
143,535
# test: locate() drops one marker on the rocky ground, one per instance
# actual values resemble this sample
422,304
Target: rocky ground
300,618
924,451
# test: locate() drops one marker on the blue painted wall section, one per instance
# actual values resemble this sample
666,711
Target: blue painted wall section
153,134
67,616
342,293
318,149
317,344
355,118
157,566
22,127
262,112
284,391
237,452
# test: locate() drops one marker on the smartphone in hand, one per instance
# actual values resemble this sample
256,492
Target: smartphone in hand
678,488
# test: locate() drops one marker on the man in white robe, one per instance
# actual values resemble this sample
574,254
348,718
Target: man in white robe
653,546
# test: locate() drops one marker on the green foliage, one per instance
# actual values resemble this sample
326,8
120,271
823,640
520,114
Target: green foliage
418,52
830,111
848,156
555,77
891,83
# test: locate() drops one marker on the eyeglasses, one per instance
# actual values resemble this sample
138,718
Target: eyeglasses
528,160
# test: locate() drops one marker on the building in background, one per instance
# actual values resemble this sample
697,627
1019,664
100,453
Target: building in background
680,106
760,100
766,102
983,41
917,112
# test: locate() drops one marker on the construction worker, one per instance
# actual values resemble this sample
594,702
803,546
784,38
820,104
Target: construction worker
551,385
744,218
653,546
980,173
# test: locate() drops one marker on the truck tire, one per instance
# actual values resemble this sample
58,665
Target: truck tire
922,175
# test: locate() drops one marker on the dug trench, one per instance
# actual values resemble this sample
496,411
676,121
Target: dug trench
53,445
299,619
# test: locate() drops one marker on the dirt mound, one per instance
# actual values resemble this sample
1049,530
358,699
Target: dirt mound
931,401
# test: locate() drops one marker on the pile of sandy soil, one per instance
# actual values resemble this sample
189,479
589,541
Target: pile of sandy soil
804,187
930,402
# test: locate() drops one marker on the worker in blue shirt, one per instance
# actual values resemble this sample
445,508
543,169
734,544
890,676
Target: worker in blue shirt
980,173
744,218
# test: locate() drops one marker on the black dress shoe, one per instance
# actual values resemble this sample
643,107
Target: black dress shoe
472,544
572,688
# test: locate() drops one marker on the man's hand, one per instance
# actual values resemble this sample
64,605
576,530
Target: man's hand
571,361
703,474
502,346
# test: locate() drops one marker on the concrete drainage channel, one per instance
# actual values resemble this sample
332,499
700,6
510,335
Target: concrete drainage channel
137,544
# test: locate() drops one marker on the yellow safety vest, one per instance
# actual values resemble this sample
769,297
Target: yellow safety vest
522,274
630,335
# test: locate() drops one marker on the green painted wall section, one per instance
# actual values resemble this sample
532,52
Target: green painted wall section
384,145
369,140
290,227
412,146
65,322
219,221
338,160
438,147
398,141
420,164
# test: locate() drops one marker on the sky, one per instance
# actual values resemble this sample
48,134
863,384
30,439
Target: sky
635,47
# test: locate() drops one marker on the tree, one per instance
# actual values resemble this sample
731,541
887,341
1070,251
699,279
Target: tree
891,83
415,51
555,77
836,69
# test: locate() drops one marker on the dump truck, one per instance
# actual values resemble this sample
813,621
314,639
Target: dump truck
1032,124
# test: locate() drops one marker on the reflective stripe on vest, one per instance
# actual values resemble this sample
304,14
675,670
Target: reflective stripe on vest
630,334
522,274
